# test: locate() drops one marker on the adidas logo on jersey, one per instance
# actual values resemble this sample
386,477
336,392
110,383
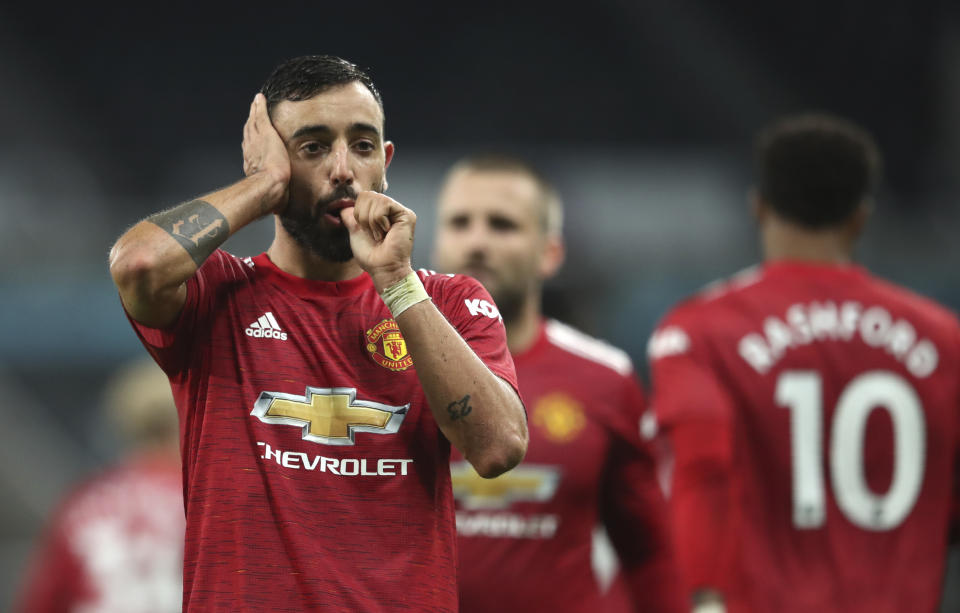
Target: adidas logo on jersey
266,326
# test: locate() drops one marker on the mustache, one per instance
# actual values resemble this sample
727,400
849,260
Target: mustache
346,191
340,193
477,263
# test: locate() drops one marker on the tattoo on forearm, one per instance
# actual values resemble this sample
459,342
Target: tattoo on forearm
458,409
197,225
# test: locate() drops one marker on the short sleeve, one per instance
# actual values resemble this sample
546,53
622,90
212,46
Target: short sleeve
471,311
688,399
172,346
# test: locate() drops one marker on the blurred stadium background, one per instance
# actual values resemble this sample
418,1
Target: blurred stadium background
641,112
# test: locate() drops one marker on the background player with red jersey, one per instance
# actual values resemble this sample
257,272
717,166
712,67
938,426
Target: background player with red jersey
525,538
319,387
116,542
811,407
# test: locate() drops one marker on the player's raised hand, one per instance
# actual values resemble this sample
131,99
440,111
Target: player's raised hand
265,152
381,236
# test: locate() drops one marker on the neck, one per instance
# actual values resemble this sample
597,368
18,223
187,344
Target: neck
522,329
786,241
290,257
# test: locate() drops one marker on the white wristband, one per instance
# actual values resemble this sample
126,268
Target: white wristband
404,294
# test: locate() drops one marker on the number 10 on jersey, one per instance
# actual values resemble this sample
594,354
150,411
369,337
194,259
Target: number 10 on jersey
801,392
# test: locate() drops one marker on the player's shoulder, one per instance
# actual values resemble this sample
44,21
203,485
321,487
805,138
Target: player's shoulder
673,331
458,291
433,278
223,264
580,346
893,294
716,293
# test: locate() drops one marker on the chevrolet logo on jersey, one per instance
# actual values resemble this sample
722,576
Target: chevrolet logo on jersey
329,415
525,483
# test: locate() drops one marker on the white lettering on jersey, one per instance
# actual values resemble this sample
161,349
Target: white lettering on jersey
345,467
816,321
507,525
266,326
477,306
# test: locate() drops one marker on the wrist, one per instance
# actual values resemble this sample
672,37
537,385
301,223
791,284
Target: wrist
404,293
387,277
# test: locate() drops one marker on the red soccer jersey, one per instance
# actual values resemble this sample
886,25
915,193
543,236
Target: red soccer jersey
115,544
525,538
813,415
315,475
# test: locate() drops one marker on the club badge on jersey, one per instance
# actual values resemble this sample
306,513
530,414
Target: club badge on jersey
559,417
387,347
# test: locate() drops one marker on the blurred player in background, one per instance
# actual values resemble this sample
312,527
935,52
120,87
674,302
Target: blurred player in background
525,538
811,407
116,542
321,383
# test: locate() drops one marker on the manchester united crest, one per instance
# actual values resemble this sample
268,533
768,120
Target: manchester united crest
559,417
387,347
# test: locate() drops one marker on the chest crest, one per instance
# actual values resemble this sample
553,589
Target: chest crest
387,347
559,417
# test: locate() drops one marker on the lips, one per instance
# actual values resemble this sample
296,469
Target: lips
332,212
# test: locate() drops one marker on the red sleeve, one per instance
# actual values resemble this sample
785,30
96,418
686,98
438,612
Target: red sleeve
694,412
634,512
54,581
171,347
471,311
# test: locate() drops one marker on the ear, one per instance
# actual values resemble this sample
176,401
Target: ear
859,219
758,208
552,257
388,150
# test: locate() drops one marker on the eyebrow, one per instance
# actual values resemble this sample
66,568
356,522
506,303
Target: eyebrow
320,129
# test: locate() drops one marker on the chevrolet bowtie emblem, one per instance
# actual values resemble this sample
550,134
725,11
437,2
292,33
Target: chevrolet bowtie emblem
329,415
525,483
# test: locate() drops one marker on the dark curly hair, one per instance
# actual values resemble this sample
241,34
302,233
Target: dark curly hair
302,78
814,169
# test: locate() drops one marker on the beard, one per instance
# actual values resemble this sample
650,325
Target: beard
307,226
509,294
509,301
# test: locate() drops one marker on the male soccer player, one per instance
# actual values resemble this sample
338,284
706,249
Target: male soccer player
116,541
811,407
525,538
319,387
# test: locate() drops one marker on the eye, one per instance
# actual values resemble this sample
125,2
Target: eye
312,148
458,222
365,146
502,224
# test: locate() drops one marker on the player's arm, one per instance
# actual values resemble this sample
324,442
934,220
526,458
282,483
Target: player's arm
694,412
479,413
151,262
634,513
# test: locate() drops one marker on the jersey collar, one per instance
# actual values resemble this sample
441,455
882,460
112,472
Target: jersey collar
308,287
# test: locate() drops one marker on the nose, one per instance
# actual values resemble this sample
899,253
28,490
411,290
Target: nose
475,239
341,172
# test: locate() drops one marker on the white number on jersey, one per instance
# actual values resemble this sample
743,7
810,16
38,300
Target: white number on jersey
801,392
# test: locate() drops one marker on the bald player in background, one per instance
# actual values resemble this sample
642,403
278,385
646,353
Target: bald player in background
116,542
525,539
811,407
